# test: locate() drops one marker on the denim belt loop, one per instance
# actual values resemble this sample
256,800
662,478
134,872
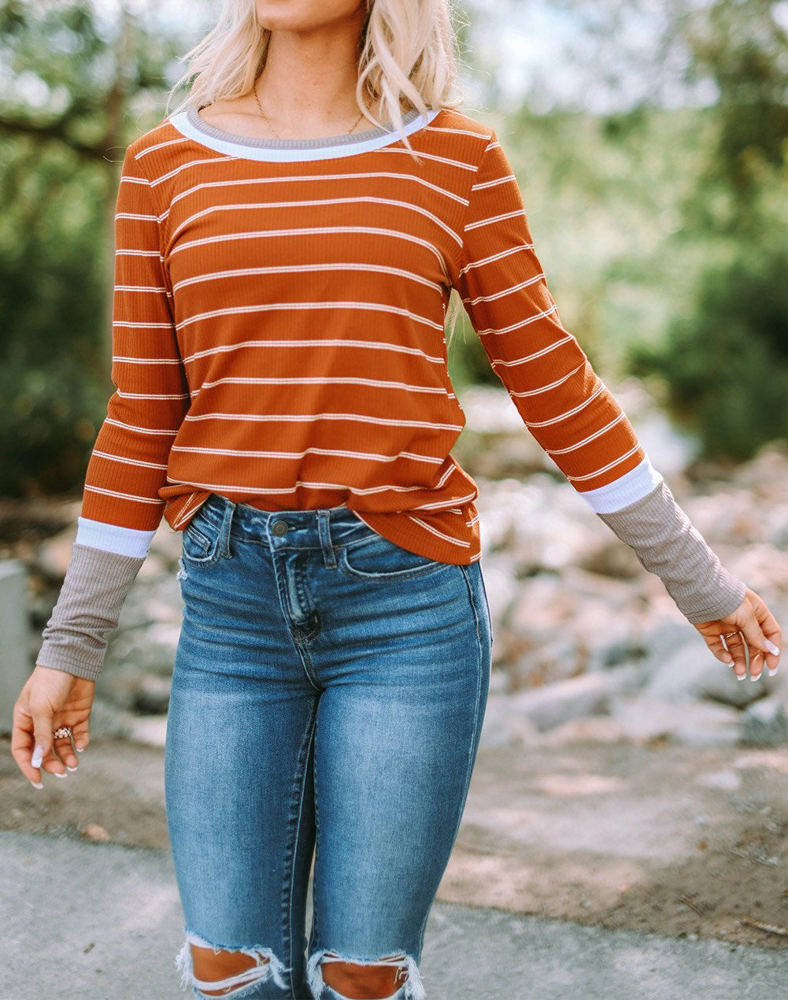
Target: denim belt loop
223,543
324,533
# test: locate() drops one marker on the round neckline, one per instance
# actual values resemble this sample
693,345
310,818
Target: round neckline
272,142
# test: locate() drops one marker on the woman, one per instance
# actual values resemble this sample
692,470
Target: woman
284,262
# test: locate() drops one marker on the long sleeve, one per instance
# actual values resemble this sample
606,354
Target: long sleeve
121,507
563,403
129,462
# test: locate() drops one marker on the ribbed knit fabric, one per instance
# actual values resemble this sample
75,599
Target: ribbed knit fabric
666,543
96,585
279,332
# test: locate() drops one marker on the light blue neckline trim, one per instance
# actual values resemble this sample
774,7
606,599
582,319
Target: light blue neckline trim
631,487
190,125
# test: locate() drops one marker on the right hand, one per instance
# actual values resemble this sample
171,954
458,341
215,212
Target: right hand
50,699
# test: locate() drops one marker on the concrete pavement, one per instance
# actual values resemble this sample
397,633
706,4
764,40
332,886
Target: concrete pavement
102,922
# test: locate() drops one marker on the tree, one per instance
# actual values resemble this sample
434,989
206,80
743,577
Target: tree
80,80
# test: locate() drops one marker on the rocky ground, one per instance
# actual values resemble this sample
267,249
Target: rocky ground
625,777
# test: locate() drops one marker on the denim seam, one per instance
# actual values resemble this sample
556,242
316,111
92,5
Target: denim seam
297,809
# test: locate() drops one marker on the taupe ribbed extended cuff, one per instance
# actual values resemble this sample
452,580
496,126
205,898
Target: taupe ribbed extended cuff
666,543
93,592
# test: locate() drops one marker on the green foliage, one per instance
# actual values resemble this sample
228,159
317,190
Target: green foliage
725,365
81,80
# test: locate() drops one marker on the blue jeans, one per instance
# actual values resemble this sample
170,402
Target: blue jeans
327,700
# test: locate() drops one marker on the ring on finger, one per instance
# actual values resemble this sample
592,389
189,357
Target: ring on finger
63,733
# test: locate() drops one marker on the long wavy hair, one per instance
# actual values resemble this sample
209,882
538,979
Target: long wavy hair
407,58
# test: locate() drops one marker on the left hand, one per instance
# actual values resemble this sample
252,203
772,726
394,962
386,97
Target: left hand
751,634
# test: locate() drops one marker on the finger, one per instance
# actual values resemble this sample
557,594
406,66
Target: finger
22,744
64,747
43,756
738,652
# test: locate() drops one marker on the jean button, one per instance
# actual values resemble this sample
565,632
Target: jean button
280,528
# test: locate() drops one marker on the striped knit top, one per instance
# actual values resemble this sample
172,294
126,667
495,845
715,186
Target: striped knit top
279,334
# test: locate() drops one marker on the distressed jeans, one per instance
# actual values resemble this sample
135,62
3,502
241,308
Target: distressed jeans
326,707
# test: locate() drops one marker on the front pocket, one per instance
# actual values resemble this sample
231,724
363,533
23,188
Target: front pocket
377,557
200,541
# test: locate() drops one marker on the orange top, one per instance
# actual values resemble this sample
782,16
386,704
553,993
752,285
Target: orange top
279,333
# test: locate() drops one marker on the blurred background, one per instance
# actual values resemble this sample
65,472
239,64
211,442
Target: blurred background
649,137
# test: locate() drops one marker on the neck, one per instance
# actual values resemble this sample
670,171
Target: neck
309,80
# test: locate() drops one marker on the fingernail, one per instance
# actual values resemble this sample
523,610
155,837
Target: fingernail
772,673
771,648
57,774
37,784
79,749
72,769
38,756
740,677
755,677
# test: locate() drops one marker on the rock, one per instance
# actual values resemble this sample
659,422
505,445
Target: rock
504,727
595,729
95,833
576,698
54,554
692,673
646,719
765,723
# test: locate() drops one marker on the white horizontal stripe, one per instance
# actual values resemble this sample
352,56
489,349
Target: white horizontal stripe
296,269
137,216
568,413
160,145
145,395
364,456
120,252
190,165
434,531
509,178
458,131
141,326
315,203
128,461
520,213
547,388
141,288
498,362
588,440
376,345
605,468
225,488
318,231
122,360
507,291
122,496
436,159
525,322
304,307
155,432
309,417
113,538
323,179
128,179
628,489
496,257
494,144
321,380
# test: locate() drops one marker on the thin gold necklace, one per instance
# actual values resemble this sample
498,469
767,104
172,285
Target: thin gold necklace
267,120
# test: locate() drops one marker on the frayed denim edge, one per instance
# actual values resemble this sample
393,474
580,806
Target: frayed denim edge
268,967
412,988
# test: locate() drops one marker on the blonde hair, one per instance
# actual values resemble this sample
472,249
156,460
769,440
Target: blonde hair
407,58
